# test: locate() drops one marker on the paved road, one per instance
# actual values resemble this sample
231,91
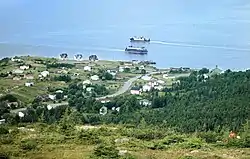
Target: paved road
122,90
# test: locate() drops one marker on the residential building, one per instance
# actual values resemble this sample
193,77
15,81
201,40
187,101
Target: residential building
21,114
2,121
94,78
86,82
29,84
17,71
45,74
24,67
89,89
159,87
29,77
17,78
161,81
135,91
16,60
165,76
146,78
145,102
215,71
87,68
121,69
146,88
52,97
142,67
103,110
59,91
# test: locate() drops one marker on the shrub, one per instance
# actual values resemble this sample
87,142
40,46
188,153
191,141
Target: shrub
88,137
144,134
4,155
3,130
209,137
187,157
106,151
6,139
173,140
28,144
193,143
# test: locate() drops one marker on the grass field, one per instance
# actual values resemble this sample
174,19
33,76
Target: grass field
75,144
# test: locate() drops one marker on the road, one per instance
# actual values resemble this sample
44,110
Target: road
122,90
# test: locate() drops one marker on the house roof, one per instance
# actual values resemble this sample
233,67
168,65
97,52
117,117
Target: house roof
135,88
215,71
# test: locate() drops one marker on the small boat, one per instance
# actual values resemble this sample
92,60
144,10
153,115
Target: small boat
139,39
136,50
78,57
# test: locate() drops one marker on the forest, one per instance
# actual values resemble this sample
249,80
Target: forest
193,104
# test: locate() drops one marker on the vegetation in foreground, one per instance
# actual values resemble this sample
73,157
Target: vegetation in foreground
191,118
67,140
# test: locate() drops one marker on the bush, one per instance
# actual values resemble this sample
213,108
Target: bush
173,140
209,137
28,144
88,137
145,134
4,155
187,157
106,151
3,130
193,143
6,139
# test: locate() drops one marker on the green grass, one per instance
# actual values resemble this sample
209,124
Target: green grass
53,143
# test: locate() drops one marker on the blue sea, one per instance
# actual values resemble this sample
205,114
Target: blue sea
191,33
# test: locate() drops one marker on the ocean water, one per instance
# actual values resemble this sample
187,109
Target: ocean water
190,33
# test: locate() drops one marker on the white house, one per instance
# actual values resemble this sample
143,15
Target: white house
135,91
24,67
165,76
146,88
161,81
103,110
141,67
121,69
29,77
29,84
45,74
16,60
89,89
145,102
87,68
105,101
17,71
118,109
146,78
153,83
21,114
49,107
52,97
86,82
94,78
112,72
159,87
205,76
17,78
59,91
2,121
